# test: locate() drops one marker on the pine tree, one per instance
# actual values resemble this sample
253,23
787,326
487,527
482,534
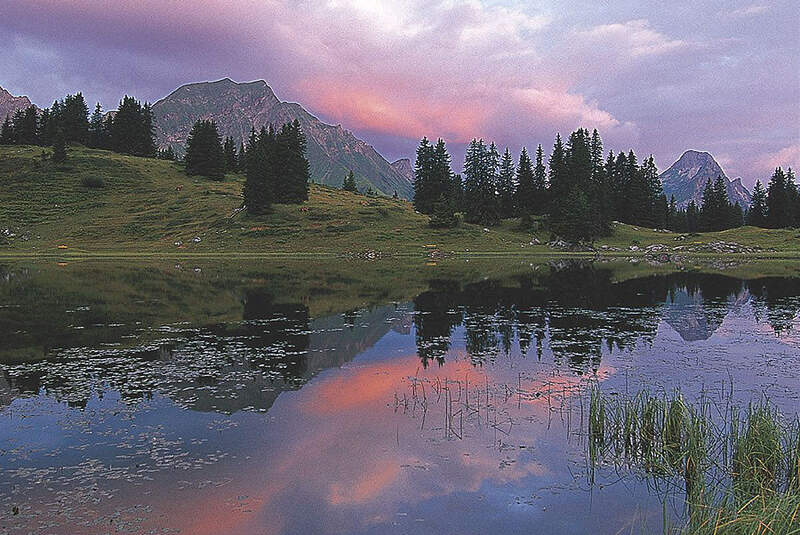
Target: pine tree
757,213
26,126
506,185
657,202
672,213
794,190
292,170
540,183
229,148
7,132
480,189
74,119
147,136
559,186
575,213
97,132
780,200
241,158
423,178
596,150
131,129
349,183
526,196
259,177
60,147
204,155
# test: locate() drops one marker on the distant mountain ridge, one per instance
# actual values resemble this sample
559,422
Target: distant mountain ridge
405,168
9,104
238,107
686,178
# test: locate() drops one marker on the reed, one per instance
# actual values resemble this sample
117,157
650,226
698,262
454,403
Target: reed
740,470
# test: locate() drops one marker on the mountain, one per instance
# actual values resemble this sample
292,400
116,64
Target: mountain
404,167
238,107
9,104
687,177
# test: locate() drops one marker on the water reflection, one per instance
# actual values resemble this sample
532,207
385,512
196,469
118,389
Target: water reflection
581,310
256,404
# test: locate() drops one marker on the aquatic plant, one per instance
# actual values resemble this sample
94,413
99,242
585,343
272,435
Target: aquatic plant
740,471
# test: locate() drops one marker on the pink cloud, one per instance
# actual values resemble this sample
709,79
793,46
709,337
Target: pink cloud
634,37
785,157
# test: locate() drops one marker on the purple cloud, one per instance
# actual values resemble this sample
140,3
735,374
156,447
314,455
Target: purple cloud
649,76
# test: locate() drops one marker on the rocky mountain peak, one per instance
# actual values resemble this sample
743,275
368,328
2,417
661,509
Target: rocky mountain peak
238,107
686,178
10,104
404,167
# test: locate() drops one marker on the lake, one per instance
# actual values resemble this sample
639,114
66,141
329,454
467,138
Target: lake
341,396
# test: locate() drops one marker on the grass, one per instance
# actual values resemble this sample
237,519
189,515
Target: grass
739,475
104,203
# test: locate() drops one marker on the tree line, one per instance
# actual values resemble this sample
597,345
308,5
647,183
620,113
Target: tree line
779,205
578,191
129,130
274,161
276,167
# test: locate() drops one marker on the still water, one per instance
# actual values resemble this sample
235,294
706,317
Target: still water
301,398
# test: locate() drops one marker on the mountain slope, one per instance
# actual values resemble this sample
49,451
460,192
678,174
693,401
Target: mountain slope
9,104
686,178
405,168
237,107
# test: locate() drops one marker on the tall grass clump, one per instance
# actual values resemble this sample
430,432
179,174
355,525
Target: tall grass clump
739,471
758,455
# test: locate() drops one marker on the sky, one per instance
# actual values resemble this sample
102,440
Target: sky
658,77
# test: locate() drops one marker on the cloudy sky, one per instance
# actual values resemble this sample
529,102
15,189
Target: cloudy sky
658,77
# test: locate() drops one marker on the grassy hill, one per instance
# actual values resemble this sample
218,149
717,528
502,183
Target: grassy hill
100,202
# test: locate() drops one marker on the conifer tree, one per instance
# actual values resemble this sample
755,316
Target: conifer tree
672,213
794,194
349,183
506,185
526,187
59,147
557,170
97,132
131,129
74,119
241,158
7,132
480,189
229,148
440,188
26,126
780,197
656,201
441,180
423,178
292,171
147,136
204,155
757,214
540,183
259,173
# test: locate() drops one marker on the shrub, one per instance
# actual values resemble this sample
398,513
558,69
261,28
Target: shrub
92,182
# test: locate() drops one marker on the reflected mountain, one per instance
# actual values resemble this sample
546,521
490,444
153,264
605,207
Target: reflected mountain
259,343
219,368
578,309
